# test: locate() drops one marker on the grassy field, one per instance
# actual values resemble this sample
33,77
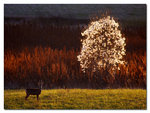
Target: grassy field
77,99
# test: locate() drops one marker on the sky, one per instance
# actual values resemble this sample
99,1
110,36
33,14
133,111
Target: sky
77,11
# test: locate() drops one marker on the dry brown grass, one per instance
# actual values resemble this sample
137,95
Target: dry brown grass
60,68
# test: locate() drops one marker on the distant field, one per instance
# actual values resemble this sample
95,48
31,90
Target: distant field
77,99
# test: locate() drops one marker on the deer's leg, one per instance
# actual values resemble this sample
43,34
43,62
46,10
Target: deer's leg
37,97
27,96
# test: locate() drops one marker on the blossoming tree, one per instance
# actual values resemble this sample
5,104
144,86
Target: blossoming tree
103,46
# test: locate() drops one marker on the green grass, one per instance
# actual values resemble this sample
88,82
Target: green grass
77,99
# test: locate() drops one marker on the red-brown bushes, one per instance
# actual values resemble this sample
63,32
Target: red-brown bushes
60,68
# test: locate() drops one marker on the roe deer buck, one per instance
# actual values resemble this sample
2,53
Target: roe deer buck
34,91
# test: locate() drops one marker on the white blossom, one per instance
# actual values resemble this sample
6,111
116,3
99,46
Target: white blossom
103,45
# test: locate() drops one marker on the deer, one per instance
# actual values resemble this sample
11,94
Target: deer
34,91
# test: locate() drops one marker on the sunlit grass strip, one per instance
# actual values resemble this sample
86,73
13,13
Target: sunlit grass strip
77,99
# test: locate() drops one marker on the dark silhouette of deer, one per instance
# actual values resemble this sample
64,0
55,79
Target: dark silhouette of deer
34,91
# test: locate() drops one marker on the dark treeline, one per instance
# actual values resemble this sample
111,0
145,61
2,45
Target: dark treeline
48,51
57,33
32,35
